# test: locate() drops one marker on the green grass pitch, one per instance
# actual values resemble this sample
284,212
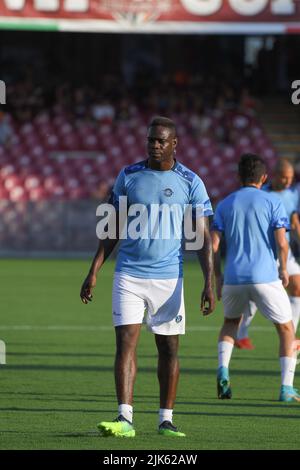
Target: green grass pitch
58,381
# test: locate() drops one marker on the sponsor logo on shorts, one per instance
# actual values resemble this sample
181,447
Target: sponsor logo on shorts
178,318
116,314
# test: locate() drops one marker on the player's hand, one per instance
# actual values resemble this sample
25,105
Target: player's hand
86,288
207,300
283,275
219,286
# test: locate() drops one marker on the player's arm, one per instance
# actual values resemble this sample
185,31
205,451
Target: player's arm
205,256
105,248
106,243
282,253
295,224
216,241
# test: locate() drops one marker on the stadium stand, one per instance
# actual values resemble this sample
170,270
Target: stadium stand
69,127
67,154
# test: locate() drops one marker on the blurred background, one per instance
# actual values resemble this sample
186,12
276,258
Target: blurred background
78,105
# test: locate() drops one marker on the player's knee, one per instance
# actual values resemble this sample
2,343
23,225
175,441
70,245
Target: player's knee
167,347
294,286
126,340
232,321
125,350
295,291
286,328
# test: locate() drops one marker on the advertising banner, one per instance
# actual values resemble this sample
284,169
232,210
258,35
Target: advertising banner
154,16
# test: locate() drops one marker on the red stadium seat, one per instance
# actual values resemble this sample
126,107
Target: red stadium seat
52,142
51,182
38,194
18,194
41,163
78,193
4,194
12,181
57,192
32,182
90,142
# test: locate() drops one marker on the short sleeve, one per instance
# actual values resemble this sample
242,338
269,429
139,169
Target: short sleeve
118,190
296,200
297,190
218,222
279,216
201,205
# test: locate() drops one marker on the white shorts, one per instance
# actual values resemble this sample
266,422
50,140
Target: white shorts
292,267
271,299
157,302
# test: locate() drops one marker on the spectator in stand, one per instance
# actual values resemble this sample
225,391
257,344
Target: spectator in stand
103,111
248,102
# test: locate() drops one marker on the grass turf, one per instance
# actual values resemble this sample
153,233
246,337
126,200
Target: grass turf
58,381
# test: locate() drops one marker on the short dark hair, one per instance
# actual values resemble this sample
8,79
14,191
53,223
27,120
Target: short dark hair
251,168
282,164
164,122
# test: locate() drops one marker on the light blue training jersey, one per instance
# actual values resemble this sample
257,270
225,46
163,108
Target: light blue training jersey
248,218
152,256
290,200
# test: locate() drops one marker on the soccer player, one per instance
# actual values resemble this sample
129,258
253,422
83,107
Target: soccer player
253,223
281,185
148,276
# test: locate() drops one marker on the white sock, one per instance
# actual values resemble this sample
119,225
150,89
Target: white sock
224,353
165,415
246,320
288,366
243,329
295,304
126,411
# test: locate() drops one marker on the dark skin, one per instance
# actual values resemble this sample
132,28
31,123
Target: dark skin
161,145
205,256
283,179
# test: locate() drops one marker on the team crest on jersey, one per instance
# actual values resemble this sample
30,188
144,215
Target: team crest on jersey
178,318
168,192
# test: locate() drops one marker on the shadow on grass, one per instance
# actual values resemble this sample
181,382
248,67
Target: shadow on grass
240,415
57,394
67,354
224,413
275,404
251,358
56,410
58,354
91,433
152,370
99,355
96,434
